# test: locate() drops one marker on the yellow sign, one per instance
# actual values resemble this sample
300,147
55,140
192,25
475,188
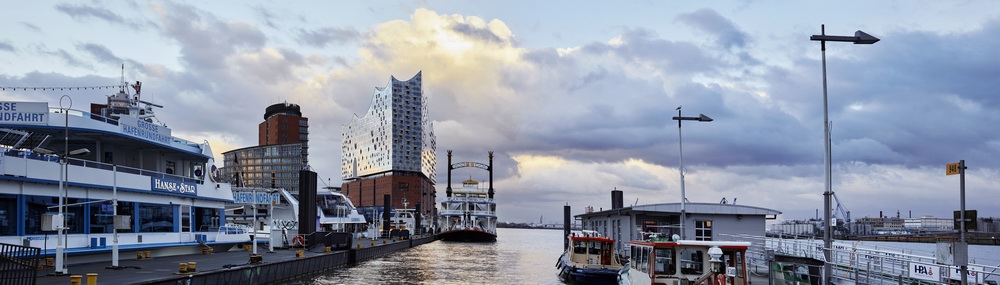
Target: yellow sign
953,168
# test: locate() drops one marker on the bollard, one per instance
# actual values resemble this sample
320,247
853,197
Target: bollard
298,253
48,262
192,266
75,279
183,268
360,246
145,254
327,249
91,278
138,255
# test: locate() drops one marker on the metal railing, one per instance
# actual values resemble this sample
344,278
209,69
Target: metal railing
18,264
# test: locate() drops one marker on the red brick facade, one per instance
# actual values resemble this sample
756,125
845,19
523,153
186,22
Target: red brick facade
279,129
370,191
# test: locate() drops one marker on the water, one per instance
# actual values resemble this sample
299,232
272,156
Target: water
519,256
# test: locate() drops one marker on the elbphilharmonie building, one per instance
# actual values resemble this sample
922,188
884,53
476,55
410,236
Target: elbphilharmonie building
390,149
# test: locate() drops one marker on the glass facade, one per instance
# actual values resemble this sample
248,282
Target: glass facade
8,215
39,205
270,166
395,134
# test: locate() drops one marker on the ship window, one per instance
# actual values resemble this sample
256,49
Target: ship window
665,261
692,262
8,215
38,205
101,218
156,218
206,219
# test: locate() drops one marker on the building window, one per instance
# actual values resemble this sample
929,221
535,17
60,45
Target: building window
703,230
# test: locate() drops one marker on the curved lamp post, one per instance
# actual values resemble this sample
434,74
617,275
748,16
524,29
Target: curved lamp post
860,38
680,143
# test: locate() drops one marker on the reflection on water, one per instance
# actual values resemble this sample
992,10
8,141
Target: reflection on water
520,256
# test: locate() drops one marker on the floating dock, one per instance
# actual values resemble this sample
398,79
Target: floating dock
234,267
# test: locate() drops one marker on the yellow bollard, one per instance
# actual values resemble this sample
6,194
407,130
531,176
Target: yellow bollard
327,249
91,278
192,266
138,255
48,261
360,246
145,254
299,253
75,279
183,268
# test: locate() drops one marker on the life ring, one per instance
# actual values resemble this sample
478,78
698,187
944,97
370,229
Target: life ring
720,279
299,240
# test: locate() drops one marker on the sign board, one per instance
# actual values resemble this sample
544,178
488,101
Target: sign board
970,220
925,271
144,130
172,186
252,197
24,113
975,274
953,168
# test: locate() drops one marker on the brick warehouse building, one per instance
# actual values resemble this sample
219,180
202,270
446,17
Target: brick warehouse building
391,150
282,150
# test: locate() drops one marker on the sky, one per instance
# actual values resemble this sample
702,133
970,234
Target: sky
574,97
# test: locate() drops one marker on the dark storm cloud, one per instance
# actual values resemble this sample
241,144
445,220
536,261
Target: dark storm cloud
325,36
205,40
100,52
707,20
910,99
6,46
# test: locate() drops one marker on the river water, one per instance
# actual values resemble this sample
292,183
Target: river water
519,256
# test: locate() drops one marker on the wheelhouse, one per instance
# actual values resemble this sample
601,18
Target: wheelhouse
686,262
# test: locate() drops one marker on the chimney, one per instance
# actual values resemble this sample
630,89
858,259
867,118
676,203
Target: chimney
616,199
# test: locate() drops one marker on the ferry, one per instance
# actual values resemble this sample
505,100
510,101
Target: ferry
469,214
80,182
274,212
658,260
589,259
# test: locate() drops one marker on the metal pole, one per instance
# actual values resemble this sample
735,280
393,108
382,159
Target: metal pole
963,264
827,235
270,222
680,143
61,239
114,214
254,201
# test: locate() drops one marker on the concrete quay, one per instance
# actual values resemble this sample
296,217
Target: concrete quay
233,266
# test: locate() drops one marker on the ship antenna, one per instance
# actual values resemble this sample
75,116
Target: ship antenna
122,86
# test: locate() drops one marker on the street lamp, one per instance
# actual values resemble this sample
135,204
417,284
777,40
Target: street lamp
680,143
859,38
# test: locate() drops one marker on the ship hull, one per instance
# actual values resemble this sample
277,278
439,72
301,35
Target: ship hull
467,236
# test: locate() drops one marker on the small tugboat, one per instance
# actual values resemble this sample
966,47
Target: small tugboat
658,260
469,214
589,259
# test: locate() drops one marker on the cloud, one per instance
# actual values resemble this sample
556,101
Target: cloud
80,12
7,46
707,20
205,40
31,27
100,52
325,36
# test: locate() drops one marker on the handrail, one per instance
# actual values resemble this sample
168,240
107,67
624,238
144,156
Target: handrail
26,154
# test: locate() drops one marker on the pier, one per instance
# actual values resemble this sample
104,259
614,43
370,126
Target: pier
235,266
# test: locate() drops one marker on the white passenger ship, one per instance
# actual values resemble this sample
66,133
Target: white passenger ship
469,214
168,198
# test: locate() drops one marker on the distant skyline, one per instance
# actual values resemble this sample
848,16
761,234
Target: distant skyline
575,98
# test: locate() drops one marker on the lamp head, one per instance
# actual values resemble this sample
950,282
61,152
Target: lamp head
81,151
864,38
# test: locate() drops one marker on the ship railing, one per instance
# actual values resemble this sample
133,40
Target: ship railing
472,200
27,154
854,261
107,120
462,212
